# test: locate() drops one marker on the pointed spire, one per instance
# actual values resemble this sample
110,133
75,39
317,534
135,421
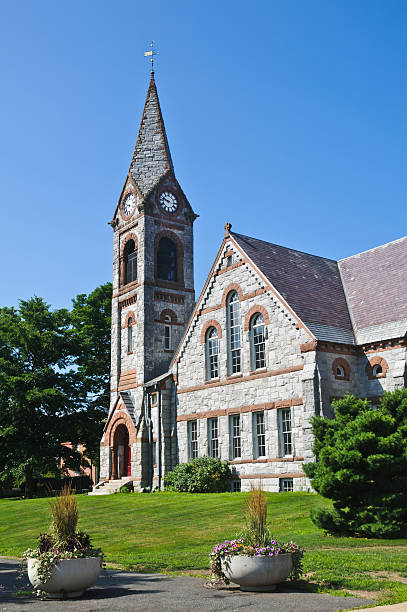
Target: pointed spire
152,157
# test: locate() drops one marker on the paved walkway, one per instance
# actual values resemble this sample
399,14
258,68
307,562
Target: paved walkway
129,591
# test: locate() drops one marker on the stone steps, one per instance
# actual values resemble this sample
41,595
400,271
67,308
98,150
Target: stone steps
110,486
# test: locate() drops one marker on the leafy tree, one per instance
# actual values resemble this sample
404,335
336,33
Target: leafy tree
362,466
38,391
91,319
201,475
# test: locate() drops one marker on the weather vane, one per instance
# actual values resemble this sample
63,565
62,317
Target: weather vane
151,54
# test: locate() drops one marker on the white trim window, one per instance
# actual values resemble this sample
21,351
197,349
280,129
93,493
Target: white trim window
258,341
167,333
129,335
259,427
286,485
235,436
285,431
212,353
192,439
213,437
234,335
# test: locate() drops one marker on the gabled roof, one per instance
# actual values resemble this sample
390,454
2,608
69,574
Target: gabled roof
375,283
152,157
311,285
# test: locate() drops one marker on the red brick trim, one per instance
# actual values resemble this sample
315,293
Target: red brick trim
126,321
180,254
242,379
254,310
308,346
229,288
122,418
165,225
261,476
208,324
376,361
128,301
296,401
127,380
266,460
341,362
242,298
170,313
229,253
237,264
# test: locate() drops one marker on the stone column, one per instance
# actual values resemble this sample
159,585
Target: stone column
114,464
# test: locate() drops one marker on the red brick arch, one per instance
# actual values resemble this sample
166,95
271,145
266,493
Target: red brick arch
207,325
126,321
121,418
180,253
376,361
170,313
254,310
341,362
131,236
229,288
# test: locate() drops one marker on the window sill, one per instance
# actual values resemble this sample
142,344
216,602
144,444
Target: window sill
129,353
237,375
258,371
342,378
168,350
211,380
378,376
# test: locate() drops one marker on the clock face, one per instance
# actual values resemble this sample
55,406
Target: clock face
168,201
129,204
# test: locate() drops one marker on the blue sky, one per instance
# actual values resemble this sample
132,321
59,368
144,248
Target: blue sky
286,118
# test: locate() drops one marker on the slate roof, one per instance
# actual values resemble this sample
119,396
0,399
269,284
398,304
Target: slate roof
359,299
310,284
375,283
152,157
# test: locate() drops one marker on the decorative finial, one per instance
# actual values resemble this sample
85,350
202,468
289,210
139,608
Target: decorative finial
228,227
151,54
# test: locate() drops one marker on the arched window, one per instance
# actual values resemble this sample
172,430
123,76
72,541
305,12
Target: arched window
340,371
377,370
167,260
130,262
234,341
257,340
212,353
167,332
130,335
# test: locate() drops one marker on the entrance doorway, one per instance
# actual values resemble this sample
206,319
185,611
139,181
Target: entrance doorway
121,453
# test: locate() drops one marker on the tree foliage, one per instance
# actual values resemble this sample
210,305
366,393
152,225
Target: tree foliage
54,384
202,475
362,466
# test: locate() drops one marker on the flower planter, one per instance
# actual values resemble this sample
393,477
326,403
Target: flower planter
69,578
257,573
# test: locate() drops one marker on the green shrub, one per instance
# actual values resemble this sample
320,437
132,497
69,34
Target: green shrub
362,466
202,475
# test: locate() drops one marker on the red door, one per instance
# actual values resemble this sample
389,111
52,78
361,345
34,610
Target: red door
128,461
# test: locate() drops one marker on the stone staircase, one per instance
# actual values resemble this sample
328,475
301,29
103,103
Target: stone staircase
109,486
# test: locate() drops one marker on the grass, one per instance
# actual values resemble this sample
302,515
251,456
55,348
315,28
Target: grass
174,532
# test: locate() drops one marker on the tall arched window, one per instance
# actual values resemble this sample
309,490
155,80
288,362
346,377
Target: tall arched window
130,262
212,353
234,341
167,260
167,332
129,335
257,341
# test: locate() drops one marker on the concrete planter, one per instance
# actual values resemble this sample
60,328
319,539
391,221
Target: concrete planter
69,578
257,573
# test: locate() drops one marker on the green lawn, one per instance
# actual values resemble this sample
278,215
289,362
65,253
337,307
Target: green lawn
175,532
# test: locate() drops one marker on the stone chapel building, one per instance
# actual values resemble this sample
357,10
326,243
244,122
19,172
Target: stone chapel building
275,335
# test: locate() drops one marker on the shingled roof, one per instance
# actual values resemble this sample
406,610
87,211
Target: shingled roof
152,157
310,284
375,283
358,299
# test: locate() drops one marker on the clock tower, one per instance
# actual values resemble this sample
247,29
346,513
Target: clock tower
153,281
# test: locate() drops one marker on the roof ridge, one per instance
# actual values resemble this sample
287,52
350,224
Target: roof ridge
379,246
280,246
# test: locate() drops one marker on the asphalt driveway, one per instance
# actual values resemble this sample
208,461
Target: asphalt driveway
118,590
